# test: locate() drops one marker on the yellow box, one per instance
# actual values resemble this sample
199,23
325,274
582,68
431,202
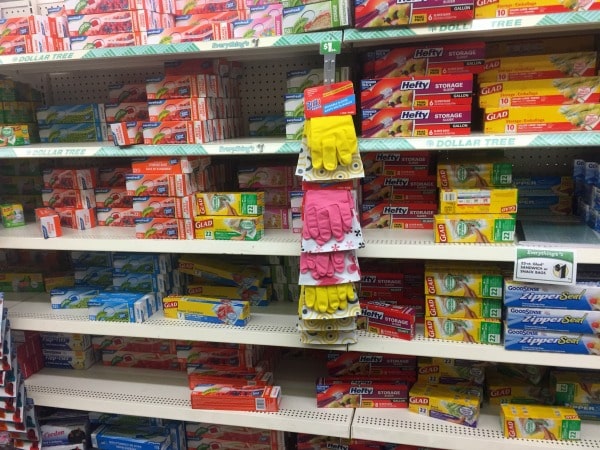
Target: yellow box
230,203
445,403
229,228
219,271
435,370
474,228
557,91
463,281
531,67
463,307
477,331
540,422
467,174
510,8
502,389
537,119
478,201
206,309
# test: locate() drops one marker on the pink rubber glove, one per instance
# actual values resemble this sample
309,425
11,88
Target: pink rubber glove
322,265
327,214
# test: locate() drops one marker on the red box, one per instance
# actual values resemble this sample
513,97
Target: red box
69,198
112,22
392,295
230,376
228,398
77,219
126,112
334,393
69,178
374,184
113,197
390,320
332,100
375,365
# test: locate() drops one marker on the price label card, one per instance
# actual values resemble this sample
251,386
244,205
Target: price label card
334,47
545,265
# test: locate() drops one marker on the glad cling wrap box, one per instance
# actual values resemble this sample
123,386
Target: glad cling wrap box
585,297
551,342
510,8
537,119
474,228
536,67
399,122
445,403
418,91
557,91
369,14
552,423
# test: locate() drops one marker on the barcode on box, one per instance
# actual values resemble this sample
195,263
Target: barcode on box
449,196
260,404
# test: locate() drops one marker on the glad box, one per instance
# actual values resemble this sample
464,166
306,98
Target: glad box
435,401
463,307
509,8
425,122
474,228
538,119
522,422
478,201
229,228
558,91
557,320
481,331
230,203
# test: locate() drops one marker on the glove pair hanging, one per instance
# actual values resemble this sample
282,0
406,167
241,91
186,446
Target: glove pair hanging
327,214
327,299
331,140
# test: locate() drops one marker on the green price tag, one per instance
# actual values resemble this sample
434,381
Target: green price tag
331,47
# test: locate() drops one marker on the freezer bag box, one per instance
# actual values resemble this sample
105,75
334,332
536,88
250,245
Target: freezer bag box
463,307
108,41
445,403
552,342
502,389
473,228
509,8
463,282
334,393
163,228
368,14
69,178
169,164
116,217
537,119
399,122
113,198
69,359
447,371
390,320
127,133
139,438
585,297
77,218
555,320
110,22
246,228
540,422
558,91
69,198
418,91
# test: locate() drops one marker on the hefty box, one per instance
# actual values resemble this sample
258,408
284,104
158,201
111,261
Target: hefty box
427,122
554,423
428,60
480,331
418,91
585,297
236,228
371,15
451,372
168,207
535,67
445,403
510,8
390,320
555,320
229,398
472,228
478,201
351,364
547,341
539,119
558,91
335,393
386,215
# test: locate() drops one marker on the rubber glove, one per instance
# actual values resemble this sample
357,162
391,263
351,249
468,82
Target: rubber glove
328,299
322,265
331,141
327,214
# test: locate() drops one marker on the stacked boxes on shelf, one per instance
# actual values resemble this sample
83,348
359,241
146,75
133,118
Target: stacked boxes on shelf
517,384
148,353
114,207
552,318
67,351
72,123
369,15
127,108
511,8
475,290
117,431
70,193
19,102
478,202
395,80
21,184
33,34
359,380
540,93
399,190
586,177
545,195
229,436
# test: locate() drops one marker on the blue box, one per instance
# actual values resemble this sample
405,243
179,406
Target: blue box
557,320
547,341
580,296
141,263
143,438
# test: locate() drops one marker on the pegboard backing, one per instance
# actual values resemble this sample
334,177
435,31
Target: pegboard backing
548,161
15,8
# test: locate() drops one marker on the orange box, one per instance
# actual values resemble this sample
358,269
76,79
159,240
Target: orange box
77,219
110,22
20,44
160,110
228,398
116,217
49,222
174,86
170,207
163,228
31,24
178,34
127,133
169,164
69,198
126,112
176,185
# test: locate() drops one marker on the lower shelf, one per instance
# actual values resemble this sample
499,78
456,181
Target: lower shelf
164,394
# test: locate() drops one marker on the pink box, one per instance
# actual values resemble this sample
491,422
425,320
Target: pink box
178,34
126,112
73,7
108,41
183,7
113,22
78,219
177,185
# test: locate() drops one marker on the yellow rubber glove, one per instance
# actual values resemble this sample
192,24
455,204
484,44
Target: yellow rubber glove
327,299
331,141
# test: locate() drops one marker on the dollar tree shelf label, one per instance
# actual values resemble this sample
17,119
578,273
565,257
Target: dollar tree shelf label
542,265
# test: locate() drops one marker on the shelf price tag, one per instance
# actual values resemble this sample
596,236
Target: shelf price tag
328,47
545,265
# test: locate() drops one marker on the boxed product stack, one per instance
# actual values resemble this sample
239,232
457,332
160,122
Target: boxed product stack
114,207
393,109
284,277
67,351
312,442
279,187
369,15
21,184
472,287
143,273
72,123
361,380
552,318
149,353
91,269
478,202
19,102
399,190
201,435
163,191
132,96
577,390
517,384
417,105
587,192
511,8
296,82
545,195
62,427
33,34
70,193
28,345
100,24
448,389
307,16
540,93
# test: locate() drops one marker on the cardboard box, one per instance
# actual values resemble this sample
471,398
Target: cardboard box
108,41
249,228
547,341
127,133
452,372
433,401
55,114
480,331
463,281
15,135
323,15
116,217
178,185
113,197
126,112
474,228
69,198
175,132
73,132
109,22
469,174
540,422
127,92
167,207
163,228
77,218
228,398
207,309
478,201
335,393
511,8
463,307
230,203
369,15
390,320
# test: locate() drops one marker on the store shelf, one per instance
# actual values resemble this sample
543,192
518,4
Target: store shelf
521,26
246,146
404,427
407,244
422,346
271,325
164,394
138,56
